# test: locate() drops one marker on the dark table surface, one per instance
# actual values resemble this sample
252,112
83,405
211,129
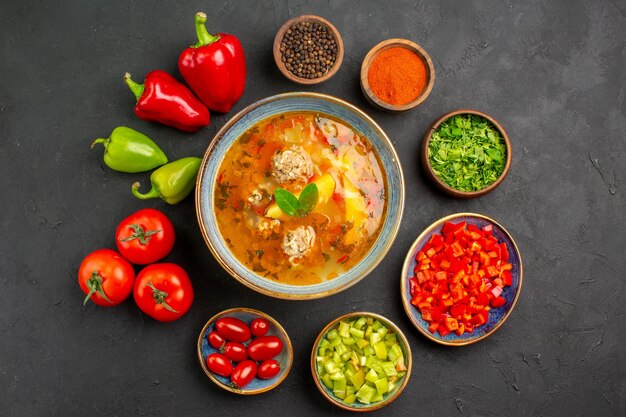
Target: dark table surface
551,72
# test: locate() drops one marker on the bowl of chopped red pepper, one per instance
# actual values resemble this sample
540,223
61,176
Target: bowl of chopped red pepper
461,279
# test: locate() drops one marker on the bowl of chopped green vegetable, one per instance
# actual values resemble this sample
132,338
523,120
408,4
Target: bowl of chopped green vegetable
466,153
361,362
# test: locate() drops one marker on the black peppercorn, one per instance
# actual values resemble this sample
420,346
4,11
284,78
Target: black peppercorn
309,49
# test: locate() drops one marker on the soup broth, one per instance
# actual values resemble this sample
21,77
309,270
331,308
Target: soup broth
290,151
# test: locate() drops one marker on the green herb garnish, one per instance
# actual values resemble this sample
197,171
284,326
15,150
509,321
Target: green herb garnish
467,152
297,206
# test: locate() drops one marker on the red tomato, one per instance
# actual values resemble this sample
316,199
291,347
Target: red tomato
219,364
215,340
259,327
268,369
235,351
163,291
264,348
243,373
145,237
106,278
233,329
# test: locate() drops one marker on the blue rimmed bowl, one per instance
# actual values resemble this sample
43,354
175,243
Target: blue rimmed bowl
497,316
257,386
389,397
269,107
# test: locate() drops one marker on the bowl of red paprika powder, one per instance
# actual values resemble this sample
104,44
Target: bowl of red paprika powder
397,75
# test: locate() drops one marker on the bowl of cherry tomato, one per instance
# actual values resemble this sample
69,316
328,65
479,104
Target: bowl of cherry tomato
461,279
245,351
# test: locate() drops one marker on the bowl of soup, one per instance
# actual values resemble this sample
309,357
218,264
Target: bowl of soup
300,195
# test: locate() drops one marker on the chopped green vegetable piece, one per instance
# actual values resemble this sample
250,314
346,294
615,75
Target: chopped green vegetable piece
344,329
338,376
375,338
360,323
381,350
374,363
362,343
467,152
350,399
371,376
389,369
333,343
327,381
341,349
348,341
365,394
377,397
359,334
339,388
331,366
395,352
358,379
332,335
382,385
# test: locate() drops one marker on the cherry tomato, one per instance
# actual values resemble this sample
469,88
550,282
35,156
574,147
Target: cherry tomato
145,237
235,351
219,364
264,348
163,291
268,369
215,340
243,373
259,327
106,278
233,329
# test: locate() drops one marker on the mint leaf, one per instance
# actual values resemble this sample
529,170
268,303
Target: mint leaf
307,199
294,206
287,202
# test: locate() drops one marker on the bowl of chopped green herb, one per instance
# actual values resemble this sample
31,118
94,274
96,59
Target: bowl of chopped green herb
466,153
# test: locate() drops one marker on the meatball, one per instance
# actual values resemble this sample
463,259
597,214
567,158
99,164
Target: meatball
291,165
298,242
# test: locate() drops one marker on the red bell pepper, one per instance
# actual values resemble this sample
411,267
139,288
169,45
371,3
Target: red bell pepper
164,100
214,67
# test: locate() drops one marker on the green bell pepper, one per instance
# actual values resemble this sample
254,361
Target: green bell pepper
127,150
172,182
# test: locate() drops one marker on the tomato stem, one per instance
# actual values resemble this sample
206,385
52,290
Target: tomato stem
139,233
95,285
160,296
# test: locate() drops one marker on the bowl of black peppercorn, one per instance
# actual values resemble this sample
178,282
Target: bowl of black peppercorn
308,49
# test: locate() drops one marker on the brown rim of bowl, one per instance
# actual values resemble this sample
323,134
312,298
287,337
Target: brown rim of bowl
243,391
411,46
388,400
405,271
445,187
279,37
207,157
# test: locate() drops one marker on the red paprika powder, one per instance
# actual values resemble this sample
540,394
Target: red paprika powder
397,76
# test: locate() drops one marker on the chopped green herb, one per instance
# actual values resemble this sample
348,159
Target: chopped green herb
297,206
467,152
